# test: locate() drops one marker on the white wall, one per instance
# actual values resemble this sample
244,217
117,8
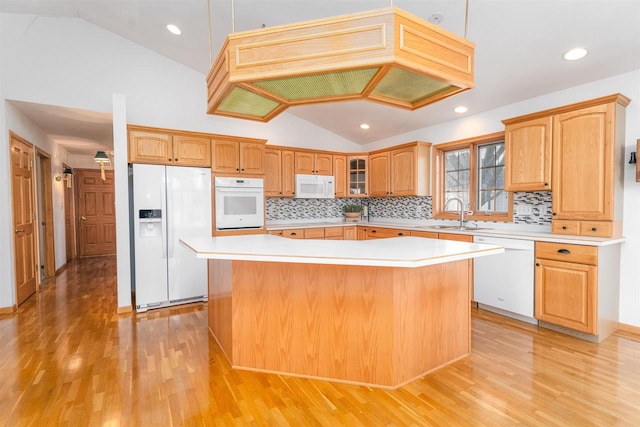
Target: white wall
490,121
68,62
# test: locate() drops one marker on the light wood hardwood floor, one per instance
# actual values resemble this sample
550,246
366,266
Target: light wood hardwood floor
67,358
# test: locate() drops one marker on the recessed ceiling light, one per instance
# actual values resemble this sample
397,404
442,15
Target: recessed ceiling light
575,54
364,126
461,109
174,29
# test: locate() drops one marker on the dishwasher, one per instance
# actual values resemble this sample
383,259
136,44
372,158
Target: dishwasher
504,283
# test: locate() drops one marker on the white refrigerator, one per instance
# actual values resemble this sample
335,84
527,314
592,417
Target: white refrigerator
169,203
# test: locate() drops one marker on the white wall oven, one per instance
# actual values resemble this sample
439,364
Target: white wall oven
239,203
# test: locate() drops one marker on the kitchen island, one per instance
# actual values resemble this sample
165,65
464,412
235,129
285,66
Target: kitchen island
377,312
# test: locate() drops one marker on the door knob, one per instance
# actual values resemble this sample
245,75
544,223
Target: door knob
83,218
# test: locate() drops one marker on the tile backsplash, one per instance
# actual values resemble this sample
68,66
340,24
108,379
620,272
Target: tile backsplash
529,208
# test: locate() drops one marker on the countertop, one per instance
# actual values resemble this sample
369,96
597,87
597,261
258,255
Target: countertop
392,252
513,231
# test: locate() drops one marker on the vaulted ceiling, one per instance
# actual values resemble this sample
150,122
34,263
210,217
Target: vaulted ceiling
519,45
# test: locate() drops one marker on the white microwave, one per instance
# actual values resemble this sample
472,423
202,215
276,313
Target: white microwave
314,187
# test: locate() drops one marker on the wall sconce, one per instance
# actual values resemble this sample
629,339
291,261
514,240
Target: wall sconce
101,157
67,175
632,160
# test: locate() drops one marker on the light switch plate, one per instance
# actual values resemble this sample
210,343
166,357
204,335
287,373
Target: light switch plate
524,209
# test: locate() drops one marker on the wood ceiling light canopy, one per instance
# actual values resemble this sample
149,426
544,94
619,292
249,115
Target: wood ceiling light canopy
387,56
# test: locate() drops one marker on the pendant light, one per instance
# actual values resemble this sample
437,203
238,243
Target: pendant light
387,56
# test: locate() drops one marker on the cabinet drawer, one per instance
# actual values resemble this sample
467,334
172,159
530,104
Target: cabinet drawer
373,233
333,232
314,233
596,228
427,234
578,254
296,233
583,228
559,226
457,237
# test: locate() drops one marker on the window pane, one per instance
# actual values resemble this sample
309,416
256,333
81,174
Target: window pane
464,181
487,179
500,177
486,202
453,181
500,154
502,201
491,178
464,159
451,161
487,156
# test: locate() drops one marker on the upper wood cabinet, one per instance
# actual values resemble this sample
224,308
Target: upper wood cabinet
164,148
279,176
400,171
236,156
357,176
272,172
583,158
340,175
311,163
379,174
528,154
587,146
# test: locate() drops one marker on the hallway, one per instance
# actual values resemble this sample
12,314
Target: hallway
68,359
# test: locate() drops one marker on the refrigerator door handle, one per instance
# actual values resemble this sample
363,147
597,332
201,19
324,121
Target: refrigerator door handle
170,205
163,198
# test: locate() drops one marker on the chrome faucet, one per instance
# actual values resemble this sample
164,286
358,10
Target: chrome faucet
462,211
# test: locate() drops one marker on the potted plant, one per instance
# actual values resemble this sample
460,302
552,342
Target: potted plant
352,210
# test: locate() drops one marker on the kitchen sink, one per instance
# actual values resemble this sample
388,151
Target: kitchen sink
453,227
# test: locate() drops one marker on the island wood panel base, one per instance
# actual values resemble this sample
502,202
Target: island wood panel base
378,326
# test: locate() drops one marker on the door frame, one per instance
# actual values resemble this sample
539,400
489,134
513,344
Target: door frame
35,254
44,198
77,176
70,203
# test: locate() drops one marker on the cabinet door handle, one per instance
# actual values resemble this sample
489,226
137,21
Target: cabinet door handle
564,251
400,234
564,227
373,231
169,159
293,234
537,264
546,184
175,160
554,213
594,228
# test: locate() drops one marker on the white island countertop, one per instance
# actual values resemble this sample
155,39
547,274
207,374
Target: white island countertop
392,252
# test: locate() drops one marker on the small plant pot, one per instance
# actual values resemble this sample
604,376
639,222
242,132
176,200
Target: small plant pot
352,214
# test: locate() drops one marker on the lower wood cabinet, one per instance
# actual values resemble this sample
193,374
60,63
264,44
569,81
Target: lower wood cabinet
568,293
381,233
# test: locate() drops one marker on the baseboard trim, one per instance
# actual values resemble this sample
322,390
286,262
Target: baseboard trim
125,309
62,268
8,310
630,329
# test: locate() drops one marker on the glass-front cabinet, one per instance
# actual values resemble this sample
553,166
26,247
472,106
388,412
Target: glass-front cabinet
357,173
